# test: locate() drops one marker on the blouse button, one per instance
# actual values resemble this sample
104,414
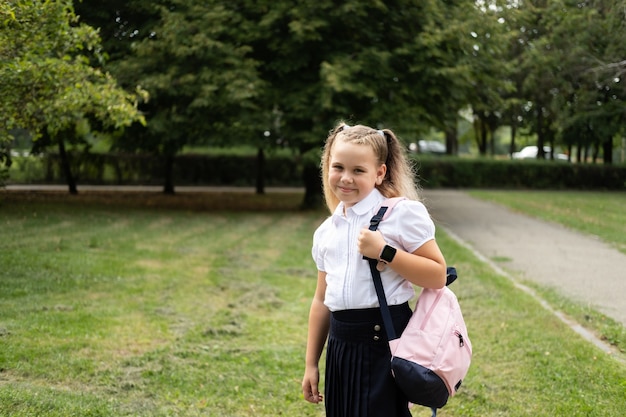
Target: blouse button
377,328
376,338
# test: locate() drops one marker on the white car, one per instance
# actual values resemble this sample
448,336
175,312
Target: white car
428,146
530,152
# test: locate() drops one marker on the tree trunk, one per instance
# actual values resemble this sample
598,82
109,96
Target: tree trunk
579,154
569,152
550,139
313,194
607,150
452,141
65,164
168,186
540,134
484,139
595,152
260,171
513,133
480,133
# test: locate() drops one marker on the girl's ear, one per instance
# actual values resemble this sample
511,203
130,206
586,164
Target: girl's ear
380,174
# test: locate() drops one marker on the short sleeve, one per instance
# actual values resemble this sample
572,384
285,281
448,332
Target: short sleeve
317,250
409,225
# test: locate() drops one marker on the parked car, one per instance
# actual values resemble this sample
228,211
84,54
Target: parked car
530,152
428,146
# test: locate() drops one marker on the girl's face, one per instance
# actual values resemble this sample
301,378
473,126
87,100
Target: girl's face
353,171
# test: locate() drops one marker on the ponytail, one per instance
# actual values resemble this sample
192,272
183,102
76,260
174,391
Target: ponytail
401,178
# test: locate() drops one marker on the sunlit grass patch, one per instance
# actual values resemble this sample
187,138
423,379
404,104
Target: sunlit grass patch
126,311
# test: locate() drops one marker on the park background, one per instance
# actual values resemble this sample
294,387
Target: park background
244,92
178,303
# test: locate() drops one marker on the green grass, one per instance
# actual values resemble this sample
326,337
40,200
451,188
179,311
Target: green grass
135,306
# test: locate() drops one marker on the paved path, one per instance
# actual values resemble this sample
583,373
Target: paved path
578,266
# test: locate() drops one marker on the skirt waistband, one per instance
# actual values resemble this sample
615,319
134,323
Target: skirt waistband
368,314
366,325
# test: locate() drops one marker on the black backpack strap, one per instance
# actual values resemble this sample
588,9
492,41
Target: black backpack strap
378,217
382,300
450,275
378,283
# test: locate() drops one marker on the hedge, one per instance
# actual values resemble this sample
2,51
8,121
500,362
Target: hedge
231,170
486,173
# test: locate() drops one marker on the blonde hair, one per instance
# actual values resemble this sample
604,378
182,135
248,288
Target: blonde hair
400,179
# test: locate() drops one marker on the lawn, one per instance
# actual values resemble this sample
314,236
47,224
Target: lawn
142,305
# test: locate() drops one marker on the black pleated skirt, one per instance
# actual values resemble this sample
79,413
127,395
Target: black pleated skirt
358,380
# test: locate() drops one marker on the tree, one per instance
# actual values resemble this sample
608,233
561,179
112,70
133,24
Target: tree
566,77
193,56
222,72
281,73
593,92
363,62
50,84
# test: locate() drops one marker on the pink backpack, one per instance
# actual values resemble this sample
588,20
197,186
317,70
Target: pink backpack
433,354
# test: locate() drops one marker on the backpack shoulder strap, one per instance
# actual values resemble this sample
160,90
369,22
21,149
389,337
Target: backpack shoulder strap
384,211
390,203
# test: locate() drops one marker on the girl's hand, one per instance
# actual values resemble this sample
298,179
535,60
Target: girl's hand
370,243
310,386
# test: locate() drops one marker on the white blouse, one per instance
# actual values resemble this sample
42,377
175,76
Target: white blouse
349,282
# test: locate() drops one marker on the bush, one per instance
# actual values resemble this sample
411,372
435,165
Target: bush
287,170
485,173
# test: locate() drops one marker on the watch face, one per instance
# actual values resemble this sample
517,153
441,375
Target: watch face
388,253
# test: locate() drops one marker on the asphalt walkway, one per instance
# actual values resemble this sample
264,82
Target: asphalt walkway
578,266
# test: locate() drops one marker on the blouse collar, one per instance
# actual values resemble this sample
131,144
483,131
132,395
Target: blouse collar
365,206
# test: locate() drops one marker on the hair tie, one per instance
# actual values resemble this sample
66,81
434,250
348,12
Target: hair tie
381,133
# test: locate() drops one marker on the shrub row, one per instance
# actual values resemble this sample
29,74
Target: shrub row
188,170
485,173
230,170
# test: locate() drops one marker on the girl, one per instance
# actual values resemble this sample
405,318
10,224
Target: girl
361,167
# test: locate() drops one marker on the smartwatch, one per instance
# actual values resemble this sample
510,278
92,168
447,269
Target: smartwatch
387,254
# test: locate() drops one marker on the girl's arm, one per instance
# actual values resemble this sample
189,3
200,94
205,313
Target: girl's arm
425,267
319,323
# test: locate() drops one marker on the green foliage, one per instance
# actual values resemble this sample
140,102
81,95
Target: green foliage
52,80
197,66
286,67
227,73
570,81
48,81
